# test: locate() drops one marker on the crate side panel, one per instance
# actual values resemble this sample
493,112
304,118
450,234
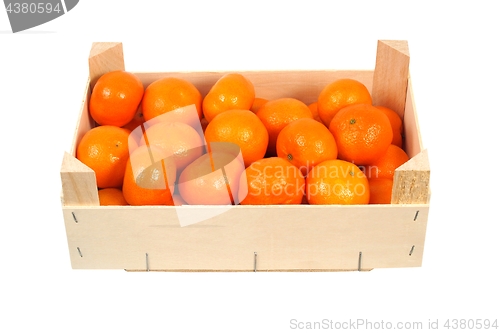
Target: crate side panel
302,85
413,139
85,122
284,238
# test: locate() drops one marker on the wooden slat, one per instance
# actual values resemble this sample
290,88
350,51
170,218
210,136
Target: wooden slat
79,185
285,238
103,58
84,123
300,84
411,181
391,75
412,137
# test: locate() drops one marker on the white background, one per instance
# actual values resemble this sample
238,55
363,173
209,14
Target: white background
454,66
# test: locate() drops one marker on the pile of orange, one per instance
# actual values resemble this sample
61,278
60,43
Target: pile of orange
241,148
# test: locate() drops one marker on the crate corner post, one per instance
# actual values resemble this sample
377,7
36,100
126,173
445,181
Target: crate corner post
390,78
411,181
79,187
105,57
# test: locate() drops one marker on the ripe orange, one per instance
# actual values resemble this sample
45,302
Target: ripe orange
339,94
305,143
271,181
337,182
178,140
362,133
243,128
257,104
380,190
212,179
169,94
396,124
232,91
115,98
386,164
314,110
105,150
278,113
111,197
149,178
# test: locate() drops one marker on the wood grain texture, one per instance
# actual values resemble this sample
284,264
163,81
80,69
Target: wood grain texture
78,181
412,136
105,57
285,238
300,84
84,123
411,181
391,75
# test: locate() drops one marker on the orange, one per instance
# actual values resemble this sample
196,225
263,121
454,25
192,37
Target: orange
212,179
305,143
271,181
339,94
169,94
337,182
362,133
278,113
386,164
105,150
314,110
111,197
177,140
380,190
115,98
257,104
232,91
243,128
148,177
396,124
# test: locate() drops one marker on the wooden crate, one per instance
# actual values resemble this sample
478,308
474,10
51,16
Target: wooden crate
256,238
